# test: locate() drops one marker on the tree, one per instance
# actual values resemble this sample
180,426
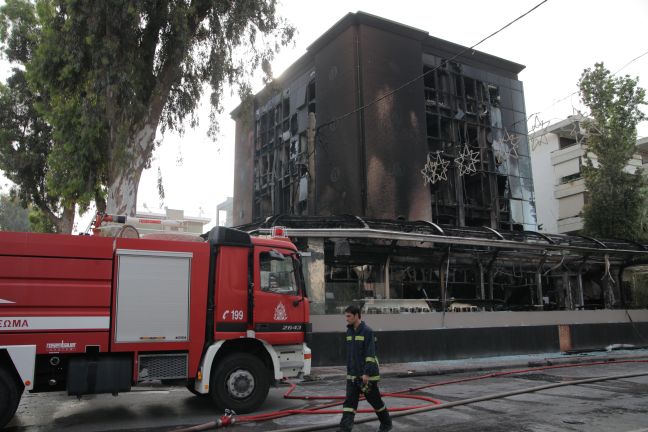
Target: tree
13,216
617,199
25,146
40,222
113,72
25,137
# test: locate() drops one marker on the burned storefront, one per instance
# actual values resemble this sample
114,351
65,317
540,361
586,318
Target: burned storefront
518,291
383,264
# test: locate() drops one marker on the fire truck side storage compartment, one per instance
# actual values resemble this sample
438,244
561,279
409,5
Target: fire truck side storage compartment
152,296
106,374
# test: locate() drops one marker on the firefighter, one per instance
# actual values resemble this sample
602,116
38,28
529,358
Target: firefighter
362,372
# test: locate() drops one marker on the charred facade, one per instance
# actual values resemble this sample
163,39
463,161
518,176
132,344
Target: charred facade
305,145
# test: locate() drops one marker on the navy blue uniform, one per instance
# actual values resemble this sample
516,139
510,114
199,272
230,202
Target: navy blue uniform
362,360
361,353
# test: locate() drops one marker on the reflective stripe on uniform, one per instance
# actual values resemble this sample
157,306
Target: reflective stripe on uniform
349,338
381,409
371,378
359,338
345,409
371,359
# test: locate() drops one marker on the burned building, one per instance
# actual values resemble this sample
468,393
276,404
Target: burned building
382,120
399,164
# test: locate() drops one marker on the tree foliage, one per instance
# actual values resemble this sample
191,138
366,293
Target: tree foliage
617,198
41,222
13,216
114,71
25,146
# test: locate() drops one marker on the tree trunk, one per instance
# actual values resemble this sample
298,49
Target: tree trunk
125,176
62,224
65,223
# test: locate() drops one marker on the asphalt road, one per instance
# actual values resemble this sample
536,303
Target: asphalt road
619,405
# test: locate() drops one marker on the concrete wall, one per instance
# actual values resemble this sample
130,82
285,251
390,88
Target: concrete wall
244,167
314,272
454,320
424,337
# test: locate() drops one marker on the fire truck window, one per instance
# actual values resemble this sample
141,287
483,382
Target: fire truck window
278,276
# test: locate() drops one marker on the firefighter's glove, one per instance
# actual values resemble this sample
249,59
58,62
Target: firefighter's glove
365,388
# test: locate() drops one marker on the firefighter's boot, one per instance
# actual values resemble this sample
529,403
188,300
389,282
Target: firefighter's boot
346,424
385,421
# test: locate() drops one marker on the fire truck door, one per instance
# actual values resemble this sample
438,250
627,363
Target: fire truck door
279,304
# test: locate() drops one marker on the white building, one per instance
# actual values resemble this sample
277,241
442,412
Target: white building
557,157
224,212
186,224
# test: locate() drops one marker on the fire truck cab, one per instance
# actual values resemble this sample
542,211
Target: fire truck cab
226,315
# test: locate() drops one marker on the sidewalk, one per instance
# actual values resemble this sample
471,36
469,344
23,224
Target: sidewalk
481,364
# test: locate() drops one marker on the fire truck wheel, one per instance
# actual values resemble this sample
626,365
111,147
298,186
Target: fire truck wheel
9,397
240,383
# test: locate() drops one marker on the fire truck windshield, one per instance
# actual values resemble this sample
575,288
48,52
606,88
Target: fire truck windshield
278,276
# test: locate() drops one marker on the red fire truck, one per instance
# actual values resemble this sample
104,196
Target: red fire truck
227,315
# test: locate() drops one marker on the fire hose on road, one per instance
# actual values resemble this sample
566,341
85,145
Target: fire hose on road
433,404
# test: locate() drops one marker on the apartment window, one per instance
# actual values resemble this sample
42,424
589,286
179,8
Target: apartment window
566,142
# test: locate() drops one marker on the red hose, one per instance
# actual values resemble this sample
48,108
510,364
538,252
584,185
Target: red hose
321,409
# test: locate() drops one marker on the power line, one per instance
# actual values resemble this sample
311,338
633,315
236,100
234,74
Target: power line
576,92
443,63
630,62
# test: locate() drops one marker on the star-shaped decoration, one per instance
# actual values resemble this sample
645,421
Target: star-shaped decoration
435,169
575,130
576,133
593,129
538,140
512,142
467,160
537,123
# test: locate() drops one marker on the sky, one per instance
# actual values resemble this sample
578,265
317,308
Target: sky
556,42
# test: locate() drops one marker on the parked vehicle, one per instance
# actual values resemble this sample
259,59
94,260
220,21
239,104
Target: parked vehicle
226,316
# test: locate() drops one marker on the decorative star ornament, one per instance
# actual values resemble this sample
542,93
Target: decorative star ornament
467,160
576,133
537,124
575,130
512,142
593,129
435,169
538,140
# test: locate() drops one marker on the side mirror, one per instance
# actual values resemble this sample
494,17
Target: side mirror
276,256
